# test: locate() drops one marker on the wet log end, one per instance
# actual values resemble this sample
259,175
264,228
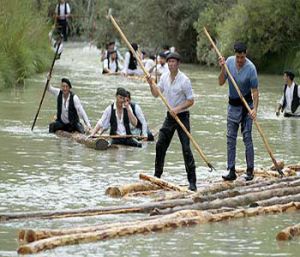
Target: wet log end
113,191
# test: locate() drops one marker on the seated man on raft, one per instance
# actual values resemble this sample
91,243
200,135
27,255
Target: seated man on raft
118,116
69,109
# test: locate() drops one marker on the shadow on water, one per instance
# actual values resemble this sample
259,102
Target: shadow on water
39,171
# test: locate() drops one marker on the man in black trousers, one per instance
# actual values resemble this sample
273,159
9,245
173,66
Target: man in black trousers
177,89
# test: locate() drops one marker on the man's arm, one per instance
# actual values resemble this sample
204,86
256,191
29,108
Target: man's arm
222,75
81,112
103,123
185,105
140,115
131,116
255,96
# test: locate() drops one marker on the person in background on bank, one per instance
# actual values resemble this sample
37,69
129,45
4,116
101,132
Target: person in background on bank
177,89
166,49
290,101
244,73
141,128
130,64
118,116
69,109
148,61
63,12
111,65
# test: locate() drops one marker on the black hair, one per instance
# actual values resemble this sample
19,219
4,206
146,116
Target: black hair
240,47
65,80
290,74
121,91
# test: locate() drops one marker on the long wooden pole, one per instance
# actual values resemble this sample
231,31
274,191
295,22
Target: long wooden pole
46,86
160,94
245,104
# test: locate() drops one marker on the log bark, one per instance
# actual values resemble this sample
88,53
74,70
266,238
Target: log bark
232,202
175,220
295,167
289,233
95,143
269,173
119,191
162,183
245,190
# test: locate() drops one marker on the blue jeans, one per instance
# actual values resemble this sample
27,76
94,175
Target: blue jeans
238,115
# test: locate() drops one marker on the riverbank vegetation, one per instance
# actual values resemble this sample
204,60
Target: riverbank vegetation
269,28
24,47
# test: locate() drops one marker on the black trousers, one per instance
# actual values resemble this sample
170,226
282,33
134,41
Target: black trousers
58,125
126,141
164,139
62,26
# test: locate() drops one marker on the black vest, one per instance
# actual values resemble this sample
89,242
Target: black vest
132,62
58,9
295,101
114,123
72,113
139,124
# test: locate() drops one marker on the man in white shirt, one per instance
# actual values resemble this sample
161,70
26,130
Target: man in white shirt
69,109
118,116
63,12
177,89
111,65
290,101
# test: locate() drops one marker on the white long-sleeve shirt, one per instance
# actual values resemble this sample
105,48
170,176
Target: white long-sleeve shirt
289,98
62,10
128,71
140,116
112,65
65,107
104,121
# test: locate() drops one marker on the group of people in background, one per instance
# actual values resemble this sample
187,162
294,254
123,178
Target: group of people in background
115,64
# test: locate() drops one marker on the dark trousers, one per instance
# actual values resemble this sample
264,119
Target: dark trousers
126,141
58,125
164,139
62,28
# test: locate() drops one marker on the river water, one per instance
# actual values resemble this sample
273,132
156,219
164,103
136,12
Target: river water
39,171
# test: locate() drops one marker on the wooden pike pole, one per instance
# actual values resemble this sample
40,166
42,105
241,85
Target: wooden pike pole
245,104
197,147
46,86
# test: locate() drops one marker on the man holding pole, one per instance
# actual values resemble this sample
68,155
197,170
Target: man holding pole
244,73
177,89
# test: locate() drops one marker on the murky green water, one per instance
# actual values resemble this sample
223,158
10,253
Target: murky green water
39,171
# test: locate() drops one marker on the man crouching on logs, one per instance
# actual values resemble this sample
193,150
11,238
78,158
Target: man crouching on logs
69,109
244,73
118,116
177,89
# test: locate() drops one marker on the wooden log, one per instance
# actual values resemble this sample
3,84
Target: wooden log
268,173
295,167
244,190
162,183
233,202
137,208
95,143
175,220
289,233
119,191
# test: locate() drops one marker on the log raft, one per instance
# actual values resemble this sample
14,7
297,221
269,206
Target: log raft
172,221
94,143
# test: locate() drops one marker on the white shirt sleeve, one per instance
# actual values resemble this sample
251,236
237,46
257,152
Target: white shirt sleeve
81,112
54,91
105,64
141,118
281,101
104,122
126,62
187,89
68,9
162,81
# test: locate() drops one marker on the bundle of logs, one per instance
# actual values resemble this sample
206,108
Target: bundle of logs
213,202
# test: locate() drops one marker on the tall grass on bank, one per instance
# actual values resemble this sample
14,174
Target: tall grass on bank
24,47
